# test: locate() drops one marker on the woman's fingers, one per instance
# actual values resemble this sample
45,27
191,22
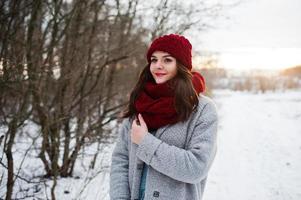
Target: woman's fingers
141,120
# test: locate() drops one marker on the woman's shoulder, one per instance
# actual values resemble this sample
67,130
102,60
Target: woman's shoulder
206,107
206,101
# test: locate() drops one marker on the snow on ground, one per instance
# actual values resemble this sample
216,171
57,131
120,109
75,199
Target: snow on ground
259,153
259,147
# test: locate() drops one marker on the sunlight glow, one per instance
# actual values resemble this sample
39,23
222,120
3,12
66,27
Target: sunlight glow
255,58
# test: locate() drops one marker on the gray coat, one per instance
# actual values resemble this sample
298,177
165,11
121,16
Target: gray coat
178,156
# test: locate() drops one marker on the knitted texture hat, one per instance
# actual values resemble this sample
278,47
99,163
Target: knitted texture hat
176,45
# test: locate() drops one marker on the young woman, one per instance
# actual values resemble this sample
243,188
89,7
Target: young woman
167,141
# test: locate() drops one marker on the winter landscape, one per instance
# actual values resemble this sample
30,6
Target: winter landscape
259,148
67,69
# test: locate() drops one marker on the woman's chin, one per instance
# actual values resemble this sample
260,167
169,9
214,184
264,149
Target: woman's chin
160,81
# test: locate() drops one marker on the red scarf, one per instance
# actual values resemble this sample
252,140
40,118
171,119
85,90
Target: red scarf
156,102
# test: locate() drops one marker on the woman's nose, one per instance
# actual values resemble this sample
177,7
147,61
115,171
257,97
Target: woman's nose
159,64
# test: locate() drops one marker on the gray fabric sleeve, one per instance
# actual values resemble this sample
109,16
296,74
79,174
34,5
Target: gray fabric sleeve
119,181
191,165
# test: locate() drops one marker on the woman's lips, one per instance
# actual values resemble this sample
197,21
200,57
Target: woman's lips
160,74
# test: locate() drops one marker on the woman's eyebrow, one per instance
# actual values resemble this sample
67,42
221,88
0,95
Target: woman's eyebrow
168,55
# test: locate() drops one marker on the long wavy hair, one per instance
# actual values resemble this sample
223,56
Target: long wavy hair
186,97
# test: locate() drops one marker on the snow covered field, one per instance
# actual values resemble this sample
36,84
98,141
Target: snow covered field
259,153
259,147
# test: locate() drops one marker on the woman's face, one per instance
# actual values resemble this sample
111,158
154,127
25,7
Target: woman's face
163,66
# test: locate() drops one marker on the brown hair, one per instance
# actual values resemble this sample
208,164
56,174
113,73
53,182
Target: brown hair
186,97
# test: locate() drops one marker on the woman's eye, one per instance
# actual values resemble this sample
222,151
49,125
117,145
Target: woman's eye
153,60
168,60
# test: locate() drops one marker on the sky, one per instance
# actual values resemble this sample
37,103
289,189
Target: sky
258,34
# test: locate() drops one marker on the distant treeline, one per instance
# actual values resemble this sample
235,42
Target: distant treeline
293,71
255,81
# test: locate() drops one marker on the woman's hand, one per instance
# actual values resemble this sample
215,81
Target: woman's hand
138,131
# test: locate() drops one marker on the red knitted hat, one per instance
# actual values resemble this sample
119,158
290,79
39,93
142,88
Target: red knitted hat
176,45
